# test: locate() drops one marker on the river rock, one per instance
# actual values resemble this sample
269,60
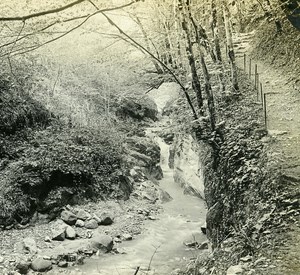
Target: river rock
79,223
203,228
47,239
58,234
127,237
101,242
30,245
19,247
58,230
23,267
41,265
203,246
164,196
106,219
68,217
83,215
97,218
91,224
63,264
70,233
234,270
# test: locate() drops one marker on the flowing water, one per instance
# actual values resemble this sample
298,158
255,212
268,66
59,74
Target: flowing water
161,246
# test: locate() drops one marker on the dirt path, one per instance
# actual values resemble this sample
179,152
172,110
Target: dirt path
283,123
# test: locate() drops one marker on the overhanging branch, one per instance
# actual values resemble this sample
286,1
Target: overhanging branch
56,10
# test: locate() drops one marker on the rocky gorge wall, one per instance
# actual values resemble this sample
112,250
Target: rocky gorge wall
187,159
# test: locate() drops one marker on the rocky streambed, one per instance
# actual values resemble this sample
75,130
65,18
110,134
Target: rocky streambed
155,231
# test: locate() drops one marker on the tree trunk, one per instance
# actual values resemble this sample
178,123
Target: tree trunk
158,68
215,31
230,50
207,87
195,78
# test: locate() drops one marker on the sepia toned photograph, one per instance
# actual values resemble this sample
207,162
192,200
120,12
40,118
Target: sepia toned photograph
150,137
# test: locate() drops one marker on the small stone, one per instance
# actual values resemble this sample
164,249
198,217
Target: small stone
83,215
41,265
72,257
70,233
68,217
58,235
19,247
30,245
79,223
117,240
151,218
91,224
203,246
106,219
62,264
23,267
80,260
203,228
119,250
89,252
127,237
1,260
246,259
234,270
47,239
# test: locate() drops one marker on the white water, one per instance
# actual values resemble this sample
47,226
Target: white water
179,222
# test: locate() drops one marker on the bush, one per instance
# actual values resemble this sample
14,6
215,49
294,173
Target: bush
47,169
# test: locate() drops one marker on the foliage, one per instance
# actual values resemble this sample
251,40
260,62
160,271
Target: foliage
18,110
78,162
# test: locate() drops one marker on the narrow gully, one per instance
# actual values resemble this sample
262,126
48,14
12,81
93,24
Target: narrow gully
162,244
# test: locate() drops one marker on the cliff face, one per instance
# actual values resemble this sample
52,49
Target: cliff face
188,162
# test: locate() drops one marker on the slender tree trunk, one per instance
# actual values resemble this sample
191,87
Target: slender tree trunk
147,42
230,50
192,63
215,32
207,87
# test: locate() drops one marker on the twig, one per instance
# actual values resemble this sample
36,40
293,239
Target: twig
155,251
137,270
56,80
8,57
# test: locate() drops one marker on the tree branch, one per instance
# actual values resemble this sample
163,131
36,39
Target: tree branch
32,48
25,17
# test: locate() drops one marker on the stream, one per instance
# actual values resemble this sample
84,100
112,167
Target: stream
160,248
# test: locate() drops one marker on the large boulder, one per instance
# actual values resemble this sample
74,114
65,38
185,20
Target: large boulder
70,233
101,242
139,108
58,230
